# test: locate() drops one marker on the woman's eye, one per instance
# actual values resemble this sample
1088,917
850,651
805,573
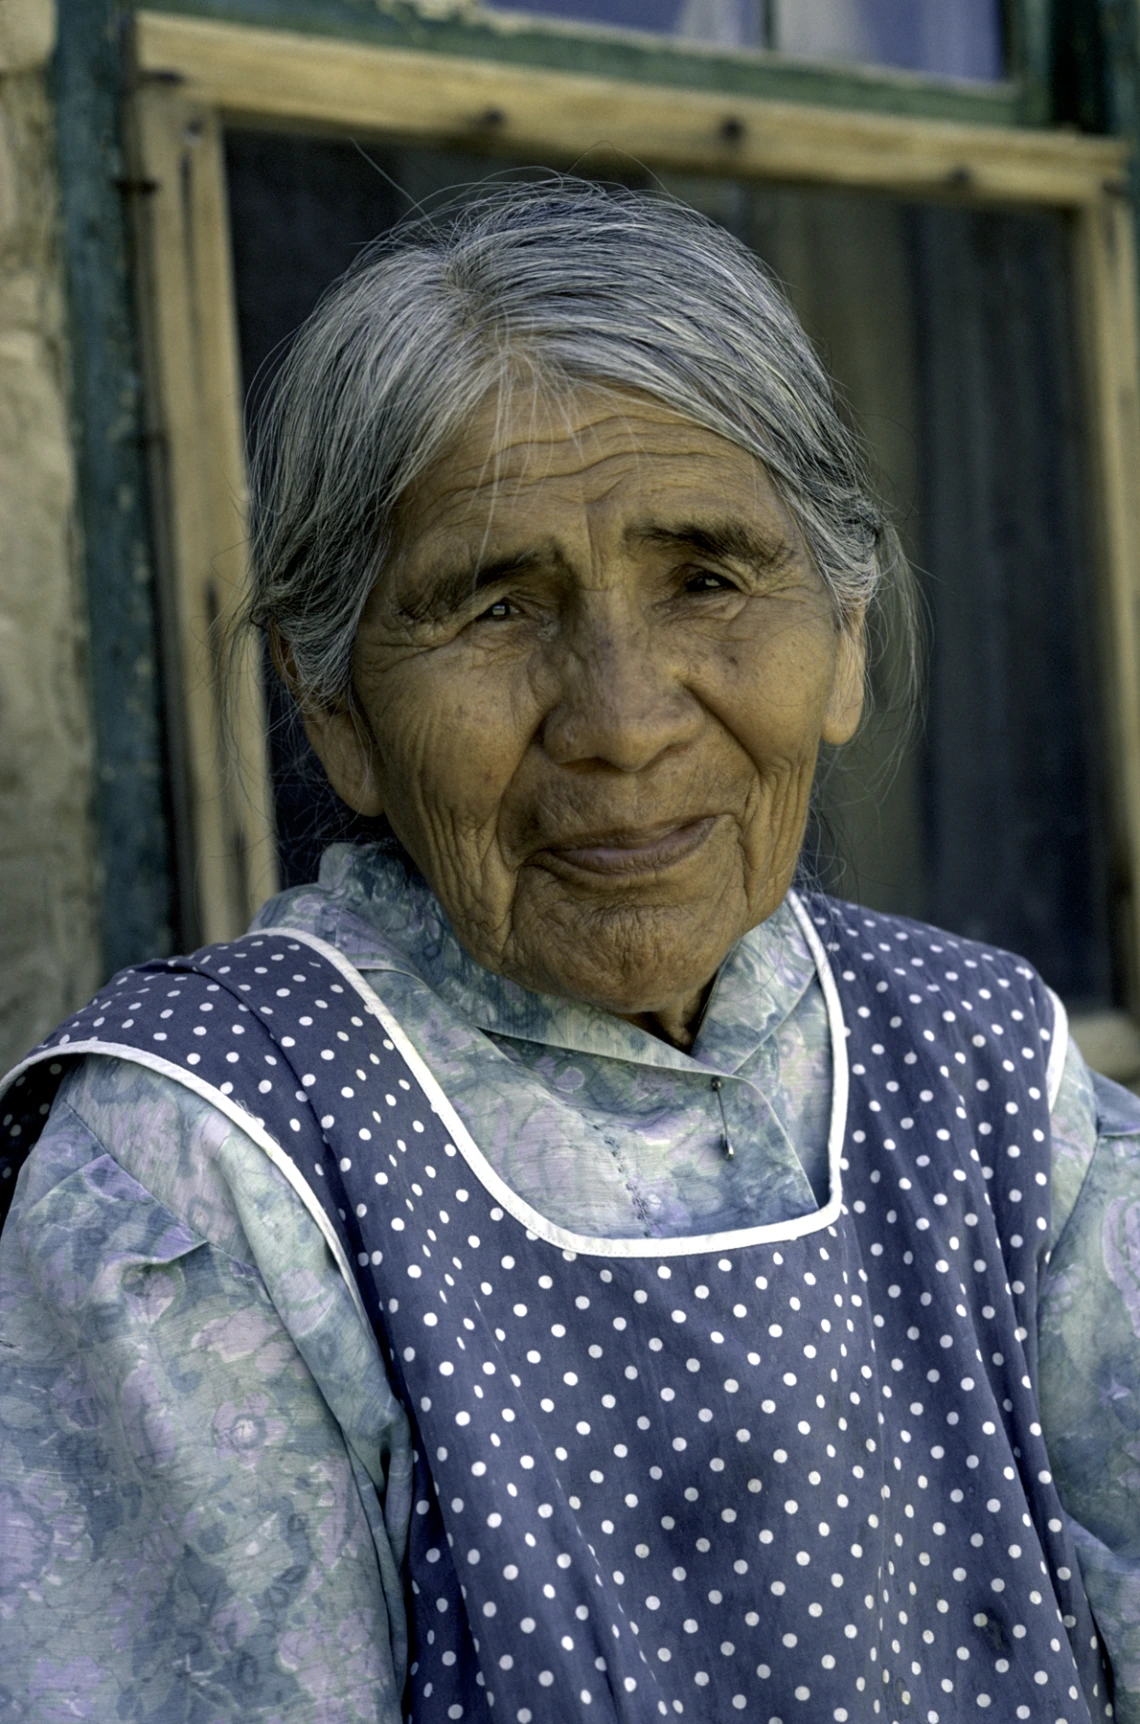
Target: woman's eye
496,613
704,581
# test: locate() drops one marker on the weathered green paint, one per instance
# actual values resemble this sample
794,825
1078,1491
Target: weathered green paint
123,665
1119,62
1096,75
1094,65
1120,50
516,40
1029,35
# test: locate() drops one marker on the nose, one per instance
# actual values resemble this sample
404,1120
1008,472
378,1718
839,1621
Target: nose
619,694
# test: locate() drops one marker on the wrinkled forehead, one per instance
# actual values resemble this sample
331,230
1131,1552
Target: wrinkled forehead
530,451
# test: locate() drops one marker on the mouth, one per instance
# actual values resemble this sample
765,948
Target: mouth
625,854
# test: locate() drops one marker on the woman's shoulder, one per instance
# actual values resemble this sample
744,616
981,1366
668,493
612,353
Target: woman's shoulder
171,1142
368,902
976,1009
901,945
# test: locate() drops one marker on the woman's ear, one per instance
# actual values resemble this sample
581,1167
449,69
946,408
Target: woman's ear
845,703
339,736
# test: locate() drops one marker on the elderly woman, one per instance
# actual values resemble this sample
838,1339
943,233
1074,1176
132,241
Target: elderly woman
550,1268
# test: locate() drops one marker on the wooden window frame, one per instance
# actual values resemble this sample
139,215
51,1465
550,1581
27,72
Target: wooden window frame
196,76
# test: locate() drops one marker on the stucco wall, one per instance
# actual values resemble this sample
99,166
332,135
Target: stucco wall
48,941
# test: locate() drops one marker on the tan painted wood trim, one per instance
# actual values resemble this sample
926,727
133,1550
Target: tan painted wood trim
1106,292
195,403
301,80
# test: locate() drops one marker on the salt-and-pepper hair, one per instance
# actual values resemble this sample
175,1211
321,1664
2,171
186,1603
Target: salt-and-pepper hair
561,283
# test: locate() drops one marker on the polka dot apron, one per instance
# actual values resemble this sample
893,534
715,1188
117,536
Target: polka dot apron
791,1473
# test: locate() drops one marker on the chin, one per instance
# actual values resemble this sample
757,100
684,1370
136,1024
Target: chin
632,964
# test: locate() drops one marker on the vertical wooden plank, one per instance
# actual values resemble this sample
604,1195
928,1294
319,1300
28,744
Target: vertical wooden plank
195,389
1107,298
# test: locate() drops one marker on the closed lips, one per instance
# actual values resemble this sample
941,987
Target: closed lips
632,852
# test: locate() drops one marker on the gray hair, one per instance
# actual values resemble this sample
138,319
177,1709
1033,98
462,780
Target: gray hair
572,283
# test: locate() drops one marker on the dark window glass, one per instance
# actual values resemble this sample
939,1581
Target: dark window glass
950,332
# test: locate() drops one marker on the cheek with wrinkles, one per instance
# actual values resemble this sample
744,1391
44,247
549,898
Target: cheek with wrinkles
445,778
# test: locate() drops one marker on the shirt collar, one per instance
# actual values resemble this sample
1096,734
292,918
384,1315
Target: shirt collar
378,910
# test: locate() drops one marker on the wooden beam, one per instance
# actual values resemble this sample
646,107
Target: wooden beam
296,80
195,390
1106,296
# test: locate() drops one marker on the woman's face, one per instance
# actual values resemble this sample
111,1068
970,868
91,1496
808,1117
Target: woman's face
590,690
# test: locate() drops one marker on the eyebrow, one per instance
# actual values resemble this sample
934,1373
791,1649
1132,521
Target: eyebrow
448,588
727,540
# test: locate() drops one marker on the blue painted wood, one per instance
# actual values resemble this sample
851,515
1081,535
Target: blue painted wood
123,665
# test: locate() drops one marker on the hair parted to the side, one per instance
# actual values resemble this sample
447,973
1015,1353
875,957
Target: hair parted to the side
563,282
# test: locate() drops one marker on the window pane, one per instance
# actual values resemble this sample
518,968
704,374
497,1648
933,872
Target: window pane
945,38
948,38
951,334
733,23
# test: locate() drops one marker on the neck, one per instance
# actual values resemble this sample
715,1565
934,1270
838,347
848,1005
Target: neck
678,1022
